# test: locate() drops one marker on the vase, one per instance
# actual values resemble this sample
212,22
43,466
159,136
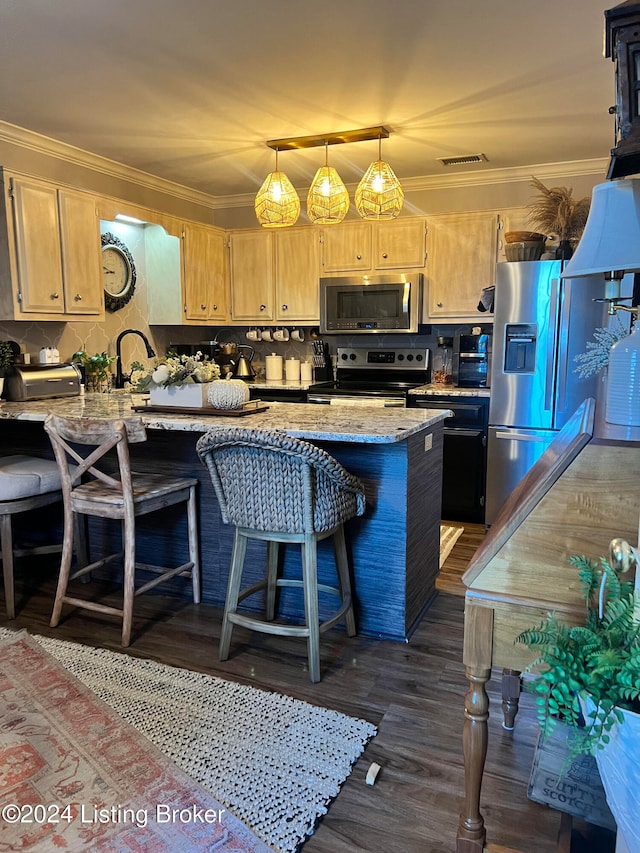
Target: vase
623,381
98,384
564,250
620,774
192,395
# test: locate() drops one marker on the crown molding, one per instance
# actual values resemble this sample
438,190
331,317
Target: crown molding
14,135
38,143
542,171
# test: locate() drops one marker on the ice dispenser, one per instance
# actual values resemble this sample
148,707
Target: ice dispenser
520,347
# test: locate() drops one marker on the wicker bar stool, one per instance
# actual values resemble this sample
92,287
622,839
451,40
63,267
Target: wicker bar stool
281,489
123,495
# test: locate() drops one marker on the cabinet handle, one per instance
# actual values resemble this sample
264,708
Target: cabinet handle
358,257
215,307
55,296
439,304
263,307
78,297
202,307
384,255
285,308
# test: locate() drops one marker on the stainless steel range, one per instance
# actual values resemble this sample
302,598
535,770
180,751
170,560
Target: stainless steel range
374,376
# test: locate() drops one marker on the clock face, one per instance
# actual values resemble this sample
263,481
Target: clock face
118,272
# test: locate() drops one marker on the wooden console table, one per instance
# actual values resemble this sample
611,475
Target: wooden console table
583,492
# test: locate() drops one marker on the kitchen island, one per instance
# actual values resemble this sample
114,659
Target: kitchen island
397,453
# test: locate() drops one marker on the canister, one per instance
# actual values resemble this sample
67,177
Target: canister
273,367
306,371
292,370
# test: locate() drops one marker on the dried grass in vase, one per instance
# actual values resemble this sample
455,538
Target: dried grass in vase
556,213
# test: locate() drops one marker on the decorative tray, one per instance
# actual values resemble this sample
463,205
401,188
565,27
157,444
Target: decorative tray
249,408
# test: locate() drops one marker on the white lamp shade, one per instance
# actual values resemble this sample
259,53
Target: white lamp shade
611,238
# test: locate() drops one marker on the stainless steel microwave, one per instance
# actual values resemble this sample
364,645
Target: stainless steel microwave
371,304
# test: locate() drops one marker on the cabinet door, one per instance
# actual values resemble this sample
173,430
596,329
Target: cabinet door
204,274
81,258
37,243
399,245
347,248
297,275
252,279
461,260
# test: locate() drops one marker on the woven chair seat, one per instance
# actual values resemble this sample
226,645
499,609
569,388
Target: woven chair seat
281,484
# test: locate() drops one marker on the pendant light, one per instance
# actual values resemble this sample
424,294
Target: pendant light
277,204
379,194
328,199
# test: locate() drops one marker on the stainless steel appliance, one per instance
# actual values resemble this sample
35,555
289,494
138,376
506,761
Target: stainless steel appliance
374,377
40,381
541,323
371,304
472,361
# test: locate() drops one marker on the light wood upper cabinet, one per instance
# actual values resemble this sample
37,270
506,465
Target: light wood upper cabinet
205,281
50,251
400,244
252,276
297,275
347,247
81,254
461,260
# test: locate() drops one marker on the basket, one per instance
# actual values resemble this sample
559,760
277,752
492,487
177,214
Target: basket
527,250
523,236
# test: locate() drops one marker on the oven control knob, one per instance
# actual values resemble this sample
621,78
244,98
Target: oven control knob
400,357
419,357
352,356
409,357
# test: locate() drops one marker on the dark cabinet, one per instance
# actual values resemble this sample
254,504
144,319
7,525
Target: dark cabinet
464,464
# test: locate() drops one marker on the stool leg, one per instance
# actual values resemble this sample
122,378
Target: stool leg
342,565
233,591
192,522
7,565
272,580
312,616
129,542
65,566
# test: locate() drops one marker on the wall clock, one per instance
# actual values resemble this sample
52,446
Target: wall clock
118,272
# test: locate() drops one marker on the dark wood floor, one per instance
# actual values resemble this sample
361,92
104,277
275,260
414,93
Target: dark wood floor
413,692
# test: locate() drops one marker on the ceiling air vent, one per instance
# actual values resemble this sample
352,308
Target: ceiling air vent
464,160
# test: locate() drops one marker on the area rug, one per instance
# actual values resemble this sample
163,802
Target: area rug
449,535
274,762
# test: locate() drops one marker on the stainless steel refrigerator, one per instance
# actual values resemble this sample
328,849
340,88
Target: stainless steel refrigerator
541,322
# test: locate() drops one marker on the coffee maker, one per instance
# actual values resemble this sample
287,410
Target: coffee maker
472,360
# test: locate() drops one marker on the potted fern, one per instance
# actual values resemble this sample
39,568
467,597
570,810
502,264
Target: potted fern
588,676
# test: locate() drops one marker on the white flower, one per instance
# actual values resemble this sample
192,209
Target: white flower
161,374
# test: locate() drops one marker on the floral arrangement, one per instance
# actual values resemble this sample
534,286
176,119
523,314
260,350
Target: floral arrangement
556,213
596,358
174,369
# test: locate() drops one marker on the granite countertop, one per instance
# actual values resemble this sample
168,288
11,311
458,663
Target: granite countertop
364,424
280,384
449,391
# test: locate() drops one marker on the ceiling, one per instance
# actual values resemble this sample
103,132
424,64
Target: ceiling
191,90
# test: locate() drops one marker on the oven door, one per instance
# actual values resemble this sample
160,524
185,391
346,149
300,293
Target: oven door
381,399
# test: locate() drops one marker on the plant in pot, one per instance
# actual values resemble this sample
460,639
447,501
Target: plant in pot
559,215
95,369
588,676
7,358
177,380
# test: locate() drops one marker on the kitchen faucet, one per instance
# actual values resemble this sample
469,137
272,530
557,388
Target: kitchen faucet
120,377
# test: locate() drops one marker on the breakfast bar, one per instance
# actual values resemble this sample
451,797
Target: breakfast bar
397,453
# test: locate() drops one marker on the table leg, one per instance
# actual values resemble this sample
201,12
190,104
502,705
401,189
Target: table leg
510,697
478,643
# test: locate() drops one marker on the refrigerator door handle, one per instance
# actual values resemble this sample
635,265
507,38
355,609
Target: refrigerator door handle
563,348
520,436
551,346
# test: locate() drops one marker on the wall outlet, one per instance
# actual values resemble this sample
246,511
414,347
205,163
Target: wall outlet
428,442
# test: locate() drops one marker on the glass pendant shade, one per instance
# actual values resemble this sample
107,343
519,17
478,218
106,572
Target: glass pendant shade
611,237
379,194
277,204
328,199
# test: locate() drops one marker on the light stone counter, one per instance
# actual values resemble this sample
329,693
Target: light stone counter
302,420
449,391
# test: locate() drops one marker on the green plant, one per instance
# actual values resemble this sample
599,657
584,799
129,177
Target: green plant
96,366
6,357
175,370
600,659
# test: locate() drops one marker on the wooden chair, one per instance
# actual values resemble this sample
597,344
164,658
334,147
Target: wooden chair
26,482
122,495
282,489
